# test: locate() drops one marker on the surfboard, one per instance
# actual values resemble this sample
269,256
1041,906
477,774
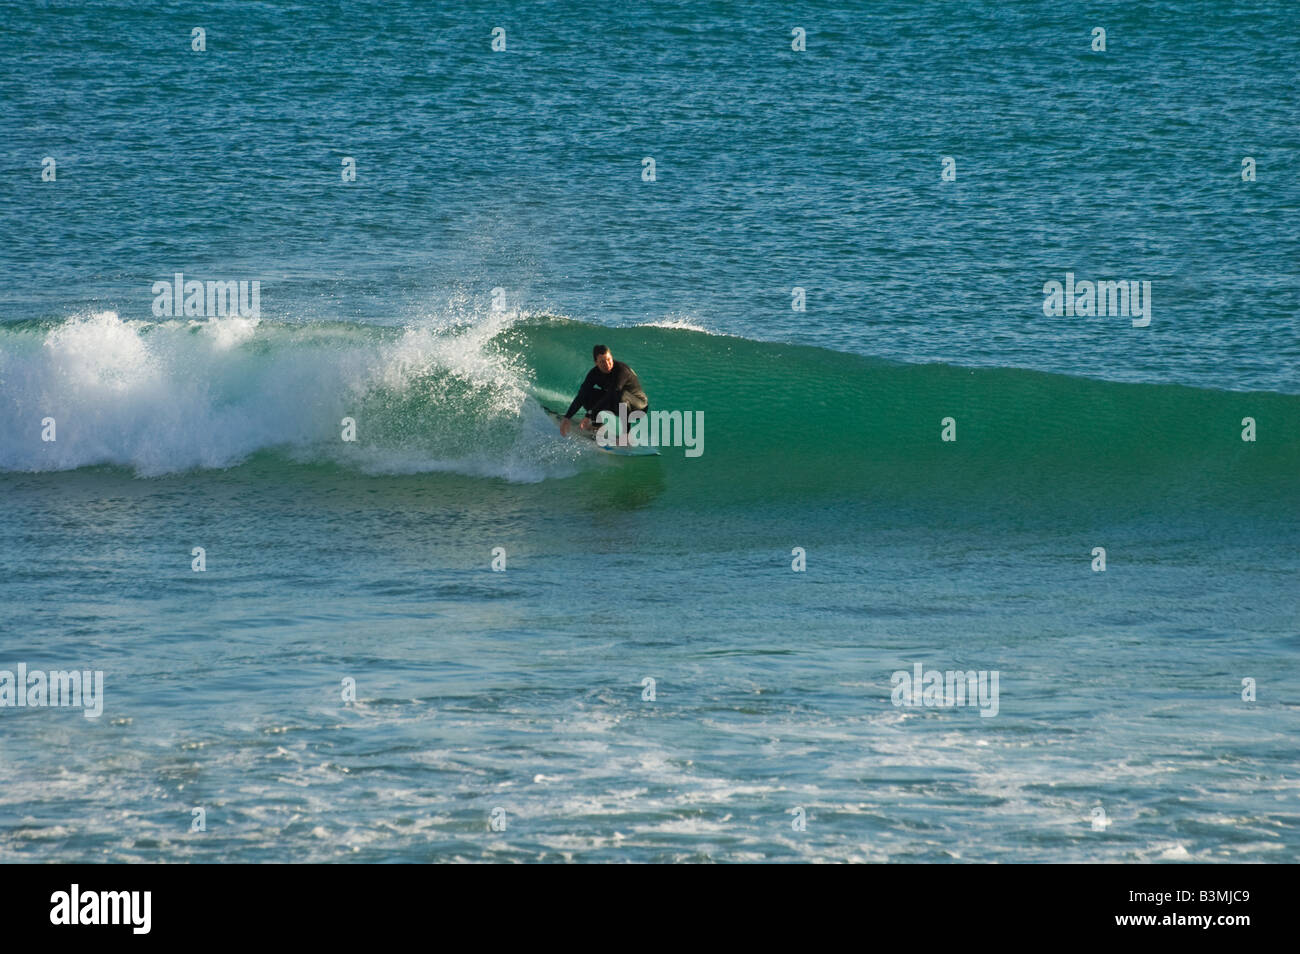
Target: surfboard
577,432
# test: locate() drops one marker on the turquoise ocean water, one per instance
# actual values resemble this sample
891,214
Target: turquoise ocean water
501,221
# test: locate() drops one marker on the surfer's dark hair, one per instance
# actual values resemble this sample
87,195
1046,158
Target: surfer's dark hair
597,351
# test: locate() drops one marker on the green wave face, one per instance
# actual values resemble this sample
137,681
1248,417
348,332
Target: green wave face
787,420
780,422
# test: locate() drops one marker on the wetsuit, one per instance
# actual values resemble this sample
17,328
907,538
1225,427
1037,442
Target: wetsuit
604,392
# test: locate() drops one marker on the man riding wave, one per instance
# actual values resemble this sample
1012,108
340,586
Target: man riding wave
607,385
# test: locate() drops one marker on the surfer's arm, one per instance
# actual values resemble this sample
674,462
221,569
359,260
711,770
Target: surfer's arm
583,398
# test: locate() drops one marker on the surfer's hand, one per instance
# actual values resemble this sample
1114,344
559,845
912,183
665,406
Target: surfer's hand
564,427
586,424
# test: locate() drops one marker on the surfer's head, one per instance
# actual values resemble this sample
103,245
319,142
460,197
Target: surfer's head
604,360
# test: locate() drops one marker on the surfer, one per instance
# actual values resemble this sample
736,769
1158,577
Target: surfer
607,385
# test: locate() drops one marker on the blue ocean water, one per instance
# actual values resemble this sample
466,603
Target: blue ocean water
503,219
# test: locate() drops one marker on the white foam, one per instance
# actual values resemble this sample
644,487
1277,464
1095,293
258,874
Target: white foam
683,324
167,397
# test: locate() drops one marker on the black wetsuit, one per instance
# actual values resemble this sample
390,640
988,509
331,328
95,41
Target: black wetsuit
604,392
